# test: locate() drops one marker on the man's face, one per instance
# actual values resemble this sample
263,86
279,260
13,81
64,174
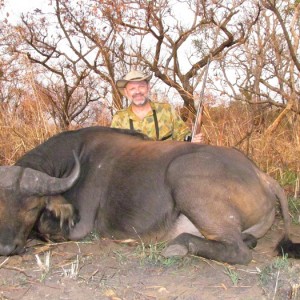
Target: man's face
137,92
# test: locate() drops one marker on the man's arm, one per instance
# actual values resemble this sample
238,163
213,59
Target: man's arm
180,129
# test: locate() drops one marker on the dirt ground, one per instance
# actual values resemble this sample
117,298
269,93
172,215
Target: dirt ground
105,269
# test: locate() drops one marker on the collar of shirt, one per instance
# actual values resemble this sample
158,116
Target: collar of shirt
134,117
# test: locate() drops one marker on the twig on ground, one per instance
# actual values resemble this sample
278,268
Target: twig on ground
208,261
4,262
93,274
18,270
276,285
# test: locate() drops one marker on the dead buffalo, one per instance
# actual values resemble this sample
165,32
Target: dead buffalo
205,200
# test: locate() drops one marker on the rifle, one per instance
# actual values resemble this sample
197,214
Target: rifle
198,119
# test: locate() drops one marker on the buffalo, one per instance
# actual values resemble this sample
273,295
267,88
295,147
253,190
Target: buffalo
204,200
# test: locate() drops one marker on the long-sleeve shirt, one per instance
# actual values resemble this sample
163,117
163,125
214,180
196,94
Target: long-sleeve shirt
169,124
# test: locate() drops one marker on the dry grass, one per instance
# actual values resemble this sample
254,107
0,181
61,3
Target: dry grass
276,153
238,125
22,129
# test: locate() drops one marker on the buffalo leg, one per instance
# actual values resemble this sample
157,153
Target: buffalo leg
235,252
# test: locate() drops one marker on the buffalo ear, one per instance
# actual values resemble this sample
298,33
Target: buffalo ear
57,219
62,210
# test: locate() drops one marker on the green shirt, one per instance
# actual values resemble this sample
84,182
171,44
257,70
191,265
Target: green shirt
170,125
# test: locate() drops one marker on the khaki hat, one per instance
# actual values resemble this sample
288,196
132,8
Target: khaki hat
132,76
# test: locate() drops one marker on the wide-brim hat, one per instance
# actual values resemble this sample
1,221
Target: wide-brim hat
132,76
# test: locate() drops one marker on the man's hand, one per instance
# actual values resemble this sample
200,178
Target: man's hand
198,138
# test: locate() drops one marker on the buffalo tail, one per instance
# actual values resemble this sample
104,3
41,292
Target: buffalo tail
286,246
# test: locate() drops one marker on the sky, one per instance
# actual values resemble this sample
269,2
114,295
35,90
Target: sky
16,7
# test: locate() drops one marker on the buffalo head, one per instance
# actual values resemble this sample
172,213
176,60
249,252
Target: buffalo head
22,200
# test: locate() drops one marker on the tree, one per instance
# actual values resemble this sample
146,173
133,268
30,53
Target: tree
87,45
287,14
265,68
107,38
180,47
67,84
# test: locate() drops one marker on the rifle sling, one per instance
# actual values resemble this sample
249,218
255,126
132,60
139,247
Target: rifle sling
156,126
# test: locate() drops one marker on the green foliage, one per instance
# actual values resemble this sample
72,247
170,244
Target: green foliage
288,177
151,254
294,209
233,275
268,273
93,236
265,274
281,262
121,257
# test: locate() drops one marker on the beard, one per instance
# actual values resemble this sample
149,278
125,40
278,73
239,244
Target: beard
139,102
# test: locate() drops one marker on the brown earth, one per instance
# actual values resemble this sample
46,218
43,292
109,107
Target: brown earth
105,269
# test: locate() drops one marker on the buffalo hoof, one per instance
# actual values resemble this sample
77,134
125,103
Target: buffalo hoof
175,250
249,240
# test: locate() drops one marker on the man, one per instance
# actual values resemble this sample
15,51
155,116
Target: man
159,121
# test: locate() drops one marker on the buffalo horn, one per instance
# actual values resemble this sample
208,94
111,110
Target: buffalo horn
9,176
34,182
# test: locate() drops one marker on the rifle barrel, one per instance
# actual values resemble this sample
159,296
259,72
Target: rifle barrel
200,104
